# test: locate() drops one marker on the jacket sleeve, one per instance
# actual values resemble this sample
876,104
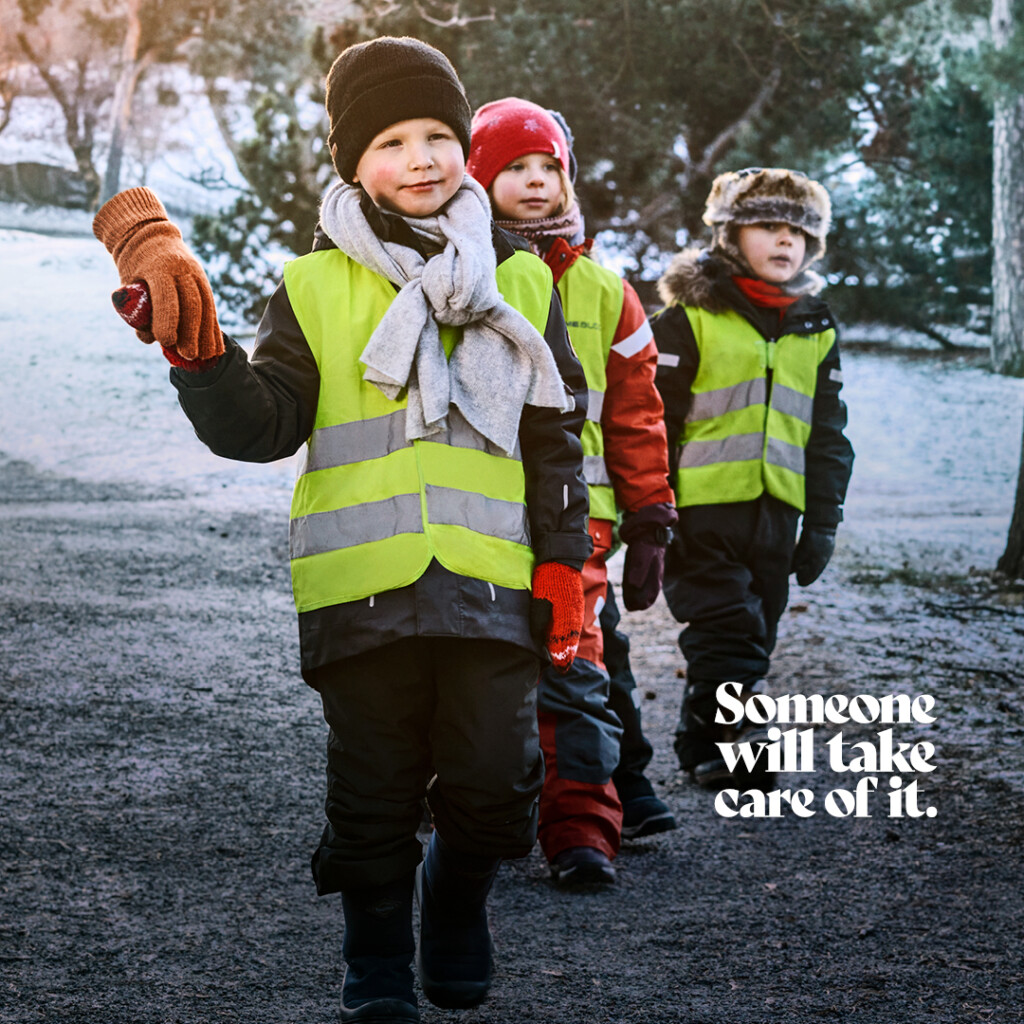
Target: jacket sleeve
678,359
556,493
256,410
829,454
632,418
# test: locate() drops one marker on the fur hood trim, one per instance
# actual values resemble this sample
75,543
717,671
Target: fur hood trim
703,277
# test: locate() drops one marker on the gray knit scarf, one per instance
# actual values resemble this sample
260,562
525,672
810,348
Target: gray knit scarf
501,364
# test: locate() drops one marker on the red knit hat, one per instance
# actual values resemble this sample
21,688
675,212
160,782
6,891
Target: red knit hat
510,128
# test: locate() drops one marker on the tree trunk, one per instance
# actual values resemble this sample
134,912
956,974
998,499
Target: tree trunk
1012,562
1007,212
132,68
79,113
1008,258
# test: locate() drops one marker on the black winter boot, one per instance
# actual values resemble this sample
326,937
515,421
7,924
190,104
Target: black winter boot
378,949
698,736
455,957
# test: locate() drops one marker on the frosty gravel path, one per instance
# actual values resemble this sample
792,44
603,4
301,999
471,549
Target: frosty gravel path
161,768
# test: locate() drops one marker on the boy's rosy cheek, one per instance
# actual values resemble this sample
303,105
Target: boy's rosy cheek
384,178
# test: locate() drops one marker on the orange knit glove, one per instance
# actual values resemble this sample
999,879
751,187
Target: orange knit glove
557,612
147,247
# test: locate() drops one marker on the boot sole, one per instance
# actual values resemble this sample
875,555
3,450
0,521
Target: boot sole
716,776
664,822
381,1011
449,995
587,877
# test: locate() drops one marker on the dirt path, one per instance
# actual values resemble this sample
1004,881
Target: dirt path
161,788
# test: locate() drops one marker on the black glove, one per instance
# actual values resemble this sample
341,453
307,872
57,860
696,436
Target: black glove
812,553
645,533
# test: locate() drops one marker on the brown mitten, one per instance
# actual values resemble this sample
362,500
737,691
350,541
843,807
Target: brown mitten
147,247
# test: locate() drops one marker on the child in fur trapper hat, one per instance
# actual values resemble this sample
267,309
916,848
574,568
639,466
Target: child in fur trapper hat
438,526
520,153
748,368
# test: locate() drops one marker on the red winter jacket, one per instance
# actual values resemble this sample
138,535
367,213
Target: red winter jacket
632,418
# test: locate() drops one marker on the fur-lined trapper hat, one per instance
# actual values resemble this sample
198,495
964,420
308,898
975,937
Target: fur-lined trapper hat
758,195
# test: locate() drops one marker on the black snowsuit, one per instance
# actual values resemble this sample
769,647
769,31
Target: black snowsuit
727,567
438,676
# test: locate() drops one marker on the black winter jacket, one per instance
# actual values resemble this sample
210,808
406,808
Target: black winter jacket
262,409
699,279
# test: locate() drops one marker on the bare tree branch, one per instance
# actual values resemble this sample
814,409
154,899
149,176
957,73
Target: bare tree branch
52,82
455,20
6,102
627,47
725,137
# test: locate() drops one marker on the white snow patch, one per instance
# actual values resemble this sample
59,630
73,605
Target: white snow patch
82,397
937,442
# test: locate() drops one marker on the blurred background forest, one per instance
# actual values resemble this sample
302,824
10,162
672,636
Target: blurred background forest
911,112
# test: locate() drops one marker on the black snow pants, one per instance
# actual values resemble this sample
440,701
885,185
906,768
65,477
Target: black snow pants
635,750
451,718
727,578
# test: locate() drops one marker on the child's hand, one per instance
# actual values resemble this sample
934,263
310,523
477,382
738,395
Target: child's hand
148,248
556,613
646,534
812,553
134,307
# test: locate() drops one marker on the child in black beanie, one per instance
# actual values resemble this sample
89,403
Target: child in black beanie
438,526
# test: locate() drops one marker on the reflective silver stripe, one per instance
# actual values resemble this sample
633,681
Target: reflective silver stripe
788,456
708,404
668,359
346,443
738,448
358,524
595,472
792,403
594,405
362,440
835,375
459,434
505,520
635,342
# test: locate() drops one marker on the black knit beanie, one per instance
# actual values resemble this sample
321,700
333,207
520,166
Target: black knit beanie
378,83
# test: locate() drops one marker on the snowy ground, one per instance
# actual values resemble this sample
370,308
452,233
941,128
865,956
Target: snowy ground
161,773
81,396
937,440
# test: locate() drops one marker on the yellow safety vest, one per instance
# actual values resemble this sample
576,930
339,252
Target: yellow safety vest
592,298
739,440
370,508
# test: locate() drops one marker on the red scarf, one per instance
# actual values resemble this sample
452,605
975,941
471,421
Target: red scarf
763,294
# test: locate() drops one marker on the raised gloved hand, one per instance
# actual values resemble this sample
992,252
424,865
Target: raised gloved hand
645,533
812,552
148,248
135,308
556,612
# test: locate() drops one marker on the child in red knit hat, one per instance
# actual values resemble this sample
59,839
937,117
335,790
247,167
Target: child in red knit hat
521,154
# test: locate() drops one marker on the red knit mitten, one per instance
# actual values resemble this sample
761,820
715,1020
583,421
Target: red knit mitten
558,597
135,308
